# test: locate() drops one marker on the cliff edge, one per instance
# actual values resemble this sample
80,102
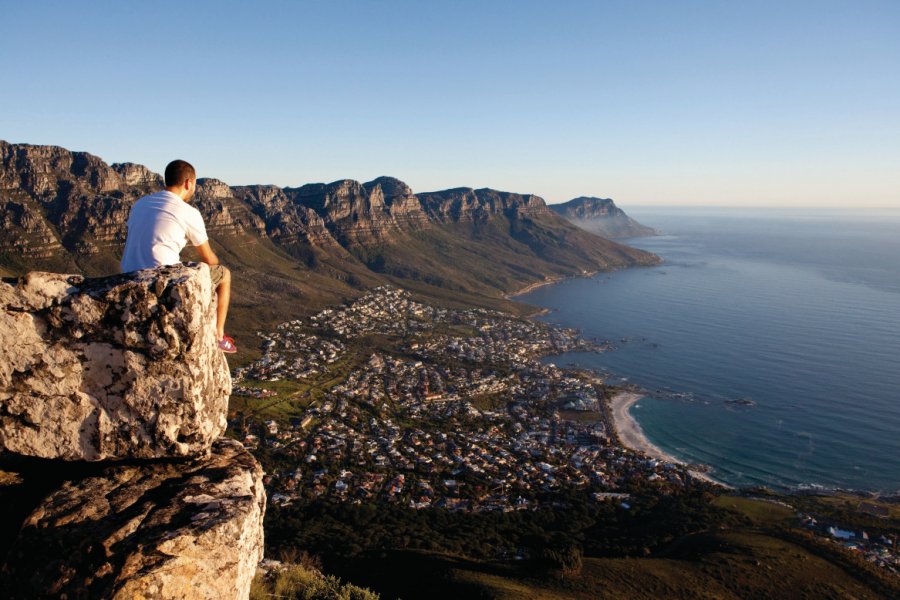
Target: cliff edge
114,477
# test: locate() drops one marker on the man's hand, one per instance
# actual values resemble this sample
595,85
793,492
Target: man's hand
206,254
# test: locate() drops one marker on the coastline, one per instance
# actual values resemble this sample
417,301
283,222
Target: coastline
584,274
631,436
628,430
549,281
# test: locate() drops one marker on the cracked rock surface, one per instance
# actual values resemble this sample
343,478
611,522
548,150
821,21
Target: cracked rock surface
170,529
111,368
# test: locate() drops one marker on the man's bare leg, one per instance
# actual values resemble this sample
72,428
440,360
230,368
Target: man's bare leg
223,298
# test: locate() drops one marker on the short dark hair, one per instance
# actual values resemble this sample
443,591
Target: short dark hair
177,171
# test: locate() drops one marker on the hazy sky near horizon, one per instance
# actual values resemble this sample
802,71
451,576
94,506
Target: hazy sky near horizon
769,103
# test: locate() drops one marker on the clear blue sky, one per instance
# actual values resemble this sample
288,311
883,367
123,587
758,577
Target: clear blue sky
670,102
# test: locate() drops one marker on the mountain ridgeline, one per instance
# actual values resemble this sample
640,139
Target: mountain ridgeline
298,248
601,216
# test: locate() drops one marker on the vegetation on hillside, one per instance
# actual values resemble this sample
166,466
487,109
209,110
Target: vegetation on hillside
298,582
691,545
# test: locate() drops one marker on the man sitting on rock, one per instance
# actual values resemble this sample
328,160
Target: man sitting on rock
159,227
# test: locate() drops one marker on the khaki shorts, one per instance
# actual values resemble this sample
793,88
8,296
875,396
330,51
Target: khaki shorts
216,274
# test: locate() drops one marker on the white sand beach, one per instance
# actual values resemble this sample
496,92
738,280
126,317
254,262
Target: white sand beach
632,436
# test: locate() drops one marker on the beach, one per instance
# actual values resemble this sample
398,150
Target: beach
632,436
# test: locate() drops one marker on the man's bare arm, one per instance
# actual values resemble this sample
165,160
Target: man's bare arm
206,254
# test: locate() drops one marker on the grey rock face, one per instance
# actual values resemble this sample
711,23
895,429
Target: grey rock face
134,174
285,220
26,232
223,214
358,214
468,205
41,170
67,203
398,197
111,368
164,530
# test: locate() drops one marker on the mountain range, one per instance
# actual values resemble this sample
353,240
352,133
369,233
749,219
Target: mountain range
294,249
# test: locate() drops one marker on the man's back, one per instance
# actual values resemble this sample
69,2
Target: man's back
159,226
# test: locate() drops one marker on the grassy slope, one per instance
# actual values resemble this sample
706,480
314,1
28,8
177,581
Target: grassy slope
734,564
502,256
759,559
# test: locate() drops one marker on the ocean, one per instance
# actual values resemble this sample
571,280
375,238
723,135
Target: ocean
767,344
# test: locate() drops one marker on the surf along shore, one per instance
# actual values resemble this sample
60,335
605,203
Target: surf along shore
632,436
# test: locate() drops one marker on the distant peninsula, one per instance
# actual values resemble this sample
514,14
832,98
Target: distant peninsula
602,217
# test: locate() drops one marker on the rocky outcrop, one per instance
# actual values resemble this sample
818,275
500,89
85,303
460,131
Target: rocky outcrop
26,232
137,175
114,479
468,205
361,215
224,214
111,368
45,171
601,216
399,199
163,530
286,220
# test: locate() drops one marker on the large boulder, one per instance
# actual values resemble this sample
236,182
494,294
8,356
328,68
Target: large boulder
111,368
169,529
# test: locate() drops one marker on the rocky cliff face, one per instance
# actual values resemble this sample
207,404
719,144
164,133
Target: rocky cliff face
65,202
46,171
362,214
138,175
404,206
468,205
27,235
585,207
109,373
284,219
223,213
601,216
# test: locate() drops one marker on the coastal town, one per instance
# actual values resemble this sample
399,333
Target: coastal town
390,400
428,406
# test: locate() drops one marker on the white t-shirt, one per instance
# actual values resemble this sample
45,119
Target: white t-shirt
159,227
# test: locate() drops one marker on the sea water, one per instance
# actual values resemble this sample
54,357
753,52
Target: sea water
767,344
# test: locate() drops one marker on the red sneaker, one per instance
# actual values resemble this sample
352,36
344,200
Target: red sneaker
226,345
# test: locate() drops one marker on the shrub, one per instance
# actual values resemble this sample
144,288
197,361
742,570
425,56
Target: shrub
296,582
